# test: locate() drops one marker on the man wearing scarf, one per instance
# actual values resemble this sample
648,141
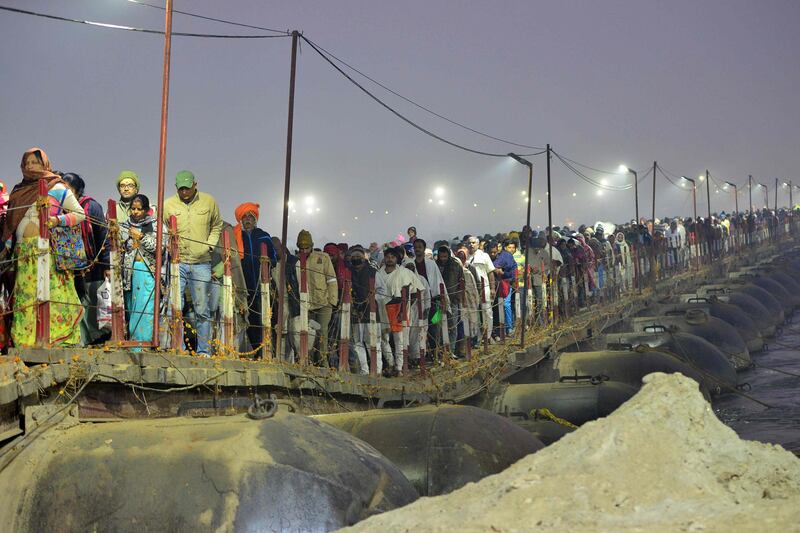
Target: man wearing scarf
249,239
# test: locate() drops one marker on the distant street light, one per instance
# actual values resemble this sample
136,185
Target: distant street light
624,168
694,196
735,195
694,203
523,161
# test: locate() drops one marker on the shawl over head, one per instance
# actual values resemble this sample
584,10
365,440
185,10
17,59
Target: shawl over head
26,192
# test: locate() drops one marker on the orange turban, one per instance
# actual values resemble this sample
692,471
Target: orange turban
243,209
239,213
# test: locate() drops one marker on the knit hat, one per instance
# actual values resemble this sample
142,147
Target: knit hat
128,174
304,239
184,178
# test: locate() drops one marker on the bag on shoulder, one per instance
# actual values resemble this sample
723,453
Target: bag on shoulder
87,231
104,306
66,244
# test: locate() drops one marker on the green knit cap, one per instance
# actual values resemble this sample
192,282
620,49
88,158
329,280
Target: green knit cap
129,174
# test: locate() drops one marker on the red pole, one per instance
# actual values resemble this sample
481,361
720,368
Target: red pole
43,270
117,306
162,162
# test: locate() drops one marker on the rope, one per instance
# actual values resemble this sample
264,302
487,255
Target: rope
547,414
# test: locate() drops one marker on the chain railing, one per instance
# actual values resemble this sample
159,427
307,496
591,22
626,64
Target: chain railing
559,294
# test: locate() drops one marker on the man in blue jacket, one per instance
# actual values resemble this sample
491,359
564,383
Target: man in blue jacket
249,237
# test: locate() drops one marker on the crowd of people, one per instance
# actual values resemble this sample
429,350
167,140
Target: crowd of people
407,301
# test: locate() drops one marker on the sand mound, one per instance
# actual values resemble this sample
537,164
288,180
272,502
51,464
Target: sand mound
661,462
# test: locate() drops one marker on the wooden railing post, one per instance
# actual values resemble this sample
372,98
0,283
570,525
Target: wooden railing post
485,324
266,305
115,282
175,296
466,319
420,326
374,330
344,323
227,297
304,311
43,270
404,335
444,323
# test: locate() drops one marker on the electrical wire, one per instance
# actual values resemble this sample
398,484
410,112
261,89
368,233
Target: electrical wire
589,180
420,106
601,171
131,28
223,21
400,115
670,179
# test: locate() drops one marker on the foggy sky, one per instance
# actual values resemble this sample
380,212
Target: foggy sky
694,85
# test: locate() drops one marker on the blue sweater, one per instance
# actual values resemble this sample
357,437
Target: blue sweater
251,264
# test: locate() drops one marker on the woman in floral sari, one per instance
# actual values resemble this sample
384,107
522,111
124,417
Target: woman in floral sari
21,231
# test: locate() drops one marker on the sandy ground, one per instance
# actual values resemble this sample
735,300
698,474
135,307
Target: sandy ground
661,462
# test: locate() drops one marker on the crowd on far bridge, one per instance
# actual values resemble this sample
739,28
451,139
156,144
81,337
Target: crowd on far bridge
74,274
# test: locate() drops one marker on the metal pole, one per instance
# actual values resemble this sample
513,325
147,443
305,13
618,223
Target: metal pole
791,203
696,226
776,195
750,190
162,164
549,227
738,231
636,192
655,167
708,192
527,251
286,184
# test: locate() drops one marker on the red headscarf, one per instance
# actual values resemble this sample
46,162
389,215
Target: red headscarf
239,213
26,192
337,258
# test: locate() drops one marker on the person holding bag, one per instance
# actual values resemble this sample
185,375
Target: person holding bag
21,234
